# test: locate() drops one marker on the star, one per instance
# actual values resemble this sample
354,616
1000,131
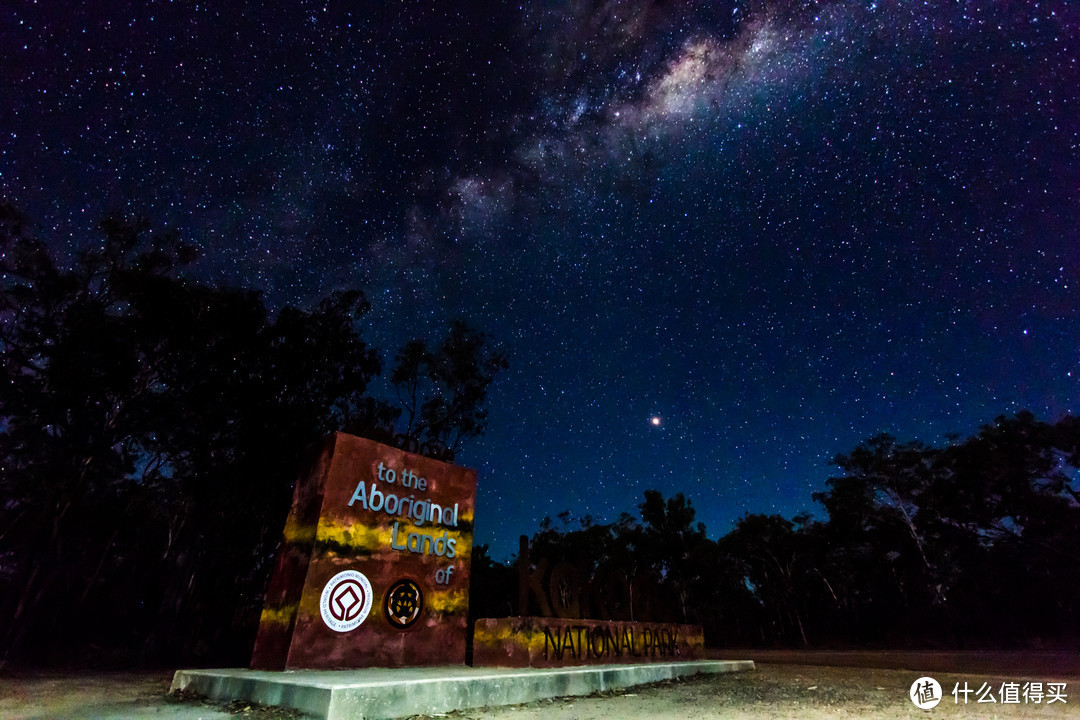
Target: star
766,223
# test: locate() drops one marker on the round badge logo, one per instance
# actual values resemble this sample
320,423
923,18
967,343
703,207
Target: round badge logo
403,603
345,601
925,693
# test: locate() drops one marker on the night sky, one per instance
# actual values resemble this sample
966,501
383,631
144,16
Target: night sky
721,242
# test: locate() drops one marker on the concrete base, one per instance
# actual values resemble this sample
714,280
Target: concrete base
376,693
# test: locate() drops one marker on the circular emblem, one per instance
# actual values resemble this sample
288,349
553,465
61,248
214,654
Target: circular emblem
345,601
403,603
925,693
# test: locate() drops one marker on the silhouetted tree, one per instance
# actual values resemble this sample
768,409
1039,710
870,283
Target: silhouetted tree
675,550
493,586
152,427
775,560
442,391
971,543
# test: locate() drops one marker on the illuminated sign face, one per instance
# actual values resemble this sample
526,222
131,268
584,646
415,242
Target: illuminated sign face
374,566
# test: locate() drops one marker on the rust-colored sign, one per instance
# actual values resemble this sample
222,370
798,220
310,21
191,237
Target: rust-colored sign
373,570
555,642
584,619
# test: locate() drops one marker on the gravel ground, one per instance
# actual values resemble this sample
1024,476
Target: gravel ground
772,692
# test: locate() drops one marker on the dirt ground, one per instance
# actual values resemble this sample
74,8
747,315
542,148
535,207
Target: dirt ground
773,692
776,692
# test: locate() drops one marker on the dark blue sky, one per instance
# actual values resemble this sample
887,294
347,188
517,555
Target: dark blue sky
779,227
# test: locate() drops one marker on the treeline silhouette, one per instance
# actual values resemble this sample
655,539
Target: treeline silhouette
152,427
151,430
975,544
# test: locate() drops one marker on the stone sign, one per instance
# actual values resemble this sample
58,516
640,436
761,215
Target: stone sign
581,620
555,642
373,569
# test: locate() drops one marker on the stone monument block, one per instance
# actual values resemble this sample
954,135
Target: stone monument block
600,617
540,642
373,568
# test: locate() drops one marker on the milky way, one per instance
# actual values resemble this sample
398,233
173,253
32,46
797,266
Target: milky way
778,227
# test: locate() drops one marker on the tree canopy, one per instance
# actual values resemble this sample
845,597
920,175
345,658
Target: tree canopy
152,427
970,544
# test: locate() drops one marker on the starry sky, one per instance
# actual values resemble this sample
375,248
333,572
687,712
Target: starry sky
720,241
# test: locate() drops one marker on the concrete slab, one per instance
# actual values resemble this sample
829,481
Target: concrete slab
382,694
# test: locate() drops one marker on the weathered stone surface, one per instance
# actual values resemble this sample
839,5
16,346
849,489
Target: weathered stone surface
556,642
371,528
375,694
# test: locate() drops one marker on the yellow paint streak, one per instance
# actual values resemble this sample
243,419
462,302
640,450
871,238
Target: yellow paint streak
485,635
505,633
358,536
296,533
448,601
278,616
355,536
